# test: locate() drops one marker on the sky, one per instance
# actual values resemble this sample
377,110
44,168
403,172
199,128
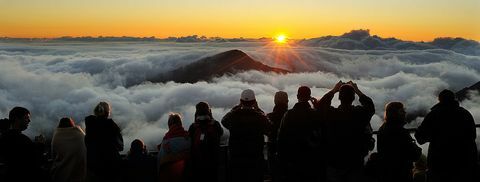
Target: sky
404,19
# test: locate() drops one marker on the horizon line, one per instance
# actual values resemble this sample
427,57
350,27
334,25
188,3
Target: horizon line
212,37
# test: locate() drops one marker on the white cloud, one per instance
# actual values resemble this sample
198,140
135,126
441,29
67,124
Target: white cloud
54,81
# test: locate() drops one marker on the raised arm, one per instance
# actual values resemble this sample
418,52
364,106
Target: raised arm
326,100
365,101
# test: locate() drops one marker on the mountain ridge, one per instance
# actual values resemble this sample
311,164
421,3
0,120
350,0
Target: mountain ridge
228,62
464,93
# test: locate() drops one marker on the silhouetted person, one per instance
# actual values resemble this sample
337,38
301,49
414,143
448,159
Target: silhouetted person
139,165
22,157
298,141
348,132
4,125
205,135
450,129
247,125
103,140
174,152
275,117
69,152
396,147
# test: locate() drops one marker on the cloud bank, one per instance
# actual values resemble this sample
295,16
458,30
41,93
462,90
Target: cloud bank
362,40
57,80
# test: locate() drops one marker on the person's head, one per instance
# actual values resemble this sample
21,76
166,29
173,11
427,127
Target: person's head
66,122
247,98
174,119
304,94
102,109
203,110
395,113
137,147
281,98
281,101
446,96
346,94
19,118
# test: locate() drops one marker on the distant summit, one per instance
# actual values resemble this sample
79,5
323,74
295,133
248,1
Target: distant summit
229,62
463,94
362,40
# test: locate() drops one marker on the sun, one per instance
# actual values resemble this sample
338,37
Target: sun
281,39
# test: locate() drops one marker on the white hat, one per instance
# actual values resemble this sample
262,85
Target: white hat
247,95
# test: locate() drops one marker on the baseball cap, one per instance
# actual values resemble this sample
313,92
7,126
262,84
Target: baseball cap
247,95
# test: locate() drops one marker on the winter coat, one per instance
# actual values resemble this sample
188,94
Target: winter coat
451,131
247,128
173,155
300,144
103,140
205,150
299,134
23,158
275,118
348,131
70,155
397,151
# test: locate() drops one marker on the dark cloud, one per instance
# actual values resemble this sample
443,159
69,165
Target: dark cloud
362,40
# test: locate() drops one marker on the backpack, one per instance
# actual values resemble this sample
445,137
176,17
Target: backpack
205,137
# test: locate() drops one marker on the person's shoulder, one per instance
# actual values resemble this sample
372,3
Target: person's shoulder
234,111
260,114
90,119
270,115
215,122
112,123
289,112
193,125
79,129
464,111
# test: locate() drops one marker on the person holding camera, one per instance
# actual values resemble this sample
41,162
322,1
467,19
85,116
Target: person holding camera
298,141
247,125
348,132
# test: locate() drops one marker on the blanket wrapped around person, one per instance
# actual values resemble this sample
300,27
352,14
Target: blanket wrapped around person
173,155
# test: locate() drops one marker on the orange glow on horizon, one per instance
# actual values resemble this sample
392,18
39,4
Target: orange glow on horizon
406,20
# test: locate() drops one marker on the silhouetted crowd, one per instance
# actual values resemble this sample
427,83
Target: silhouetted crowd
311,142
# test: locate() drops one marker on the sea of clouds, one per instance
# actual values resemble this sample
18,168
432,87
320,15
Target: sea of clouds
58,79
